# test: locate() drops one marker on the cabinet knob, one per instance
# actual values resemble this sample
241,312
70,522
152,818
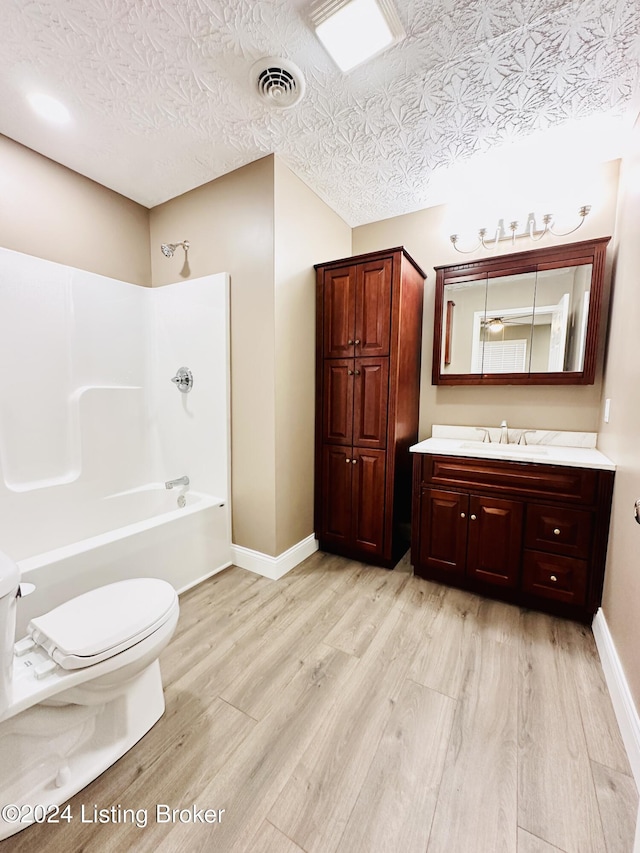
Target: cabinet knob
556,531
353,461
473,517
349,342
347,461
462,515
357,372
357,341
553,578
349,372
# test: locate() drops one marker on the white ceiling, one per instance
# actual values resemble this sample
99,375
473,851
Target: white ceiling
162,100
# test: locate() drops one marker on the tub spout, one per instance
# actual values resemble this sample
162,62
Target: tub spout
180,481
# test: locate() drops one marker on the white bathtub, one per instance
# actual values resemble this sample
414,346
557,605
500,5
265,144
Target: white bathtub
139,533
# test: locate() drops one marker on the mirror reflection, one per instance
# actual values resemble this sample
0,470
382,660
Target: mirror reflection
527,322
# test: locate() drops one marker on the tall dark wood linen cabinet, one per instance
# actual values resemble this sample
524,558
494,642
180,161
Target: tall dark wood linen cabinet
368,344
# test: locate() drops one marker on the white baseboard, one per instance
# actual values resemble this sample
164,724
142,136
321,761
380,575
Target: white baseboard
273,567
621,698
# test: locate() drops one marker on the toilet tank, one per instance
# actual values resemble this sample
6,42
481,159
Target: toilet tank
9,583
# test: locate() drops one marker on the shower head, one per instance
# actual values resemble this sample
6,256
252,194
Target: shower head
168,249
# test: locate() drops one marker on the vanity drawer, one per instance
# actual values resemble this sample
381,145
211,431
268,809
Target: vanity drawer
563,531
575,485
554,576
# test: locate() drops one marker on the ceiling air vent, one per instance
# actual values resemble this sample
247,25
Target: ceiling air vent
278,82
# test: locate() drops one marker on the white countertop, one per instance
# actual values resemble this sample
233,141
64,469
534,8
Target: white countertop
545,454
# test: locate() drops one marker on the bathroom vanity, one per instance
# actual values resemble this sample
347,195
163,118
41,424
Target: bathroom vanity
527,523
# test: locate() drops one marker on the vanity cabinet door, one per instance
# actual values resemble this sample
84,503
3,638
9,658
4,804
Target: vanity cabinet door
373,307
335,514
357,309
495,540
337,409
355,395
339,309
370,396
443,533
353,506
368,506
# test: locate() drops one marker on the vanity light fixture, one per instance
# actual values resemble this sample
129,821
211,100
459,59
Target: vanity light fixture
353,31
529,231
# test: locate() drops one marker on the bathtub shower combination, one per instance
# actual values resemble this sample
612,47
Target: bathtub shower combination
108,473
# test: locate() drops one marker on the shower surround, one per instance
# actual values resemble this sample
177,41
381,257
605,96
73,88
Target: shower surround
91,427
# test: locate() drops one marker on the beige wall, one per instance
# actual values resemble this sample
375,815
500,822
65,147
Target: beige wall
307,232
49,211
266,229
621,436
229,223
425,235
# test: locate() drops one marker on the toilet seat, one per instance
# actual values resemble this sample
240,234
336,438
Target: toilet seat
103,622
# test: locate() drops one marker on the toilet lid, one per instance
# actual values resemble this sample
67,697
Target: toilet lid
104,621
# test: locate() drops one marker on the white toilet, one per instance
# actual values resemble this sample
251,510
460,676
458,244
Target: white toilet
79,690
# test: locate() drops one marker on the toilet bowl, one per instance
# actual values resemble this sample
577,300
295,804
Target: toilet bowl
79,690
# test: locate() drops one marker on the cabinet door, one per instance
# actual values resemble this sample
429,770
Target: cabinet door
335,518
368,499
371,393
339,315
337,406
495,540
373,307
443,532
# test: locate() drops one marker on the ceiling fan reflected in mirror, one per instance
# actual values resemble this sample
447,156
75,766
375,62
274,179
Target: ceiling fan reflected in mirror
495,325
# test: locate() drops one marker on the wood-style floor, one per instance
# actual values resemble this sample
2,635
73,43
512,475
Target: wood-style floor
346,708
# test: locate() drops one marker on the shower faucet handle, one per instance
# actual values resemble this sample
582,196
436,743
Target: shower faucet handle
183,379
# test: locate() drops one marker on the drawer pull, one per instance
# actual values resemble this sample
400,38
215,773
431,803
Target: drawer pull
462,515
473,517
553,578
556,531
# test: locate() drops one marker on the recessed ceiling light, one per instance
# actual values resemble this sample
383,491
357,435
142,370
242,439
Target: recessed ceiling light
49,108
353,31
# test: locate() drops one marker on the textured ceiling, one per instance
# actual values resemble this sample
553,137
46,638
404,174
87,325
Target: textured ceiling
162,101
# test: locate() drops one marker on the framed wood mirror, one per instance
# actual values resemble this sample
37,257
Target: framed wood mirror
528,318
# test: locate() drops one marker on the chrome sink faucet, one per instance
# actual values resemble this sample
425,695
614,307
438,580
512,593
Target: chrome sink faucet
180,481
504,433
